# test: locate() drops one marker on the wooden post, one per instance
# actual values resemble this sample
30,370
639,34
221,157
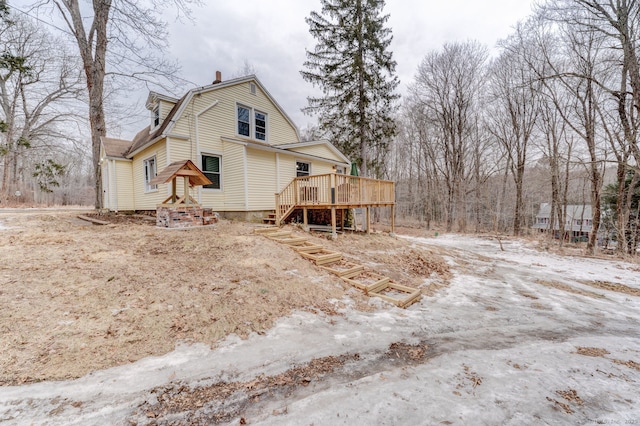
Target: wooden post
393,219
334,234
174,190
186,189
342,219
305,219
277,209
368,221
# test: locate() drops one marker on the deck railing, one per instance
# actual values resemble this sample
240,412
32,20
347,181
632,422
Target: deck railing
333,190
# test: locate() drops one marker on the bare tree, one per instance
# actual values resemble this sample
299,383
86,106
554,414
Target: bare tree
37,97
115,40
515,99
448,85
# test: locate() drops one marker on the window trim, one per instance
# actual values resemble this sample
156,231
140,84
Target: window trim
303,162
219,157
253,128
238,106
155,117
150,188
255,123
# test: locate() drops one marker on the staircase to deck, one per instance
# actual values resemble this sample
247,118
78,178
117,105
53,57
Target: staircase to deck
332,191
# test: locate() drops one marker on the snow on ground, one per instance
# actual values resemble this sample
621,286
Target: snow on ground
502,349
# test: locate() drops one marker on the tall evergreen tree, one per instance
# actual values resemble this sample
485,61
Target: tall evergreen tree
353,66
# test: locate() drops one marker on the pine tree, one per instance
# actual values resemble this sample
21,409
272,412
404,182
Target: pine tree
352,65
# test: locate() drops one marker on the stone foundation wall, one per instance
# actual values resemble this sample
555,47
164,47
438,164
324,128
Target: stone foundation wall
184,216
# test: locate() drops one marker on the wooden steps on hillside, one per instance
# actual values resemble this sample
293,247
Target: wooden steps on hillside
372,283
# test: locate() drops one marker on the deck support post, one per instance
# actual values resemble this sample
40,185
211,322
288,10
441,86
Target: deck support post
305,219
368,220
393,220
334,234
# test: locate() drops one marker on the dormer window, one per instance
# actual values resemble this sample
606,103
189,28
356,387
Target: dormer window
156,116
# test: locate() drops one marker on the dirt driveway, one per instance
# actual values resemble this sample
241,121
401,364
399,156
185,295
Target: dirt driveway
516,337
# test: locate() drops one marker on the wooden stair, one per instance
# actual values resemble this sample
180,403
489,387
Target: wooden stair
270,219
372,283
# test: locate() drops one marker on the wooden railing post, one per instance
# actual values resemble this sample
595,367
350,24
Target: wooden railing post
278,208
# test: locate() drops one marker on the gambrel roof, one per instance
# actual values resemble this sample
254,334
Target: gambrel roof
147,137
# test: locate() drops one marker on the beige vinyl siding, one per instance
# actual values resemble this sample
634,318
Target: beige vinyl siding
123,181
320,167
220,120
165,108
287,170
149,200
233,173
181,149
261,166
318,151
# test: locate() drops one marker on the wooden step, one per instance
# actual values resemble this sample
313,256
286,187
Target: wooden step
343,268
291,240
266,230
413,294
307,246
322,256
366,280
279,234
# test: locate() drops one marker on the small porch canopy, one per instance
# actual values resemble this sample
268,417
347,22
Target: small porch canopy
191,175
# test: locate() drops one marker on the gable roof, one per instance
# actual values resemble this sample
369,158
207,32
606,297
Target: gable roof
184,168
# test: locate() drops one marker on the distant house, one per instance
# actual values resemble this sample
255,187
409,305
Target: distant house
234,131
578,221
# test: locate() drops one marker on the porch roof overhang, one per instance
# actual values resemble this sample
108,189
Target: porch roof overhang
281,150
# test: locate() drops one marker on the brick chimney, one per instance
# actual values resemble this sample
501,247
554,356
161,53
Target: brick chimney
218,78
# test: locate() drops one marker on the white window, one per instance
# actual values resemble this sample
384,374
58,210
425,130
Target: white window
340,170
211,169
244,125
303,168
156,116
252,123
261,126
149,173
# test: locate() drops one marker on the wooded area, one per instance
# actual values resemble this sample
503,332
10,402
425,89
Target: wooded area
480,140
553,118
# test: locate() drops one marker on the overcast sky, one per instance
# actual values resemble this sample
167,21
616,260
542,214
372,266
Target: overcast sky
272,37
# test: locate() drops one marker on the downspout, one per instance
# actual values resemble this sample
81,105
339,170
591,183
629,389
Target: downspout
112,176
167,150
246,180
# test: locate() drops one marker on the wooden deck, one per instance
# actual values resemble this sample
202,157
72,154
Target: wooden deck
334,191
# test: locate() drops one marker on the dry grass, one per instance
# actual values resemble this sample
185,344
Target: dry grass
588,351
618,288
78,297
570,289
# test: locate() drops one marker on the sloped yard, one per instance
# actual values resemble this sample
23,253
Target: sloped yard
78,297
504,334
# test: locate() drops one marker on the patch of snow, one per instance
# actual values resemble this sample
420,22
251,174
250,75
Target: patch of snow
502,349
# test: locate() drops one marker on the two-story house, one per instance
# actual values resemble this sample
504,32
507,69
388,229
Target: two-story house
578,221
234,131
